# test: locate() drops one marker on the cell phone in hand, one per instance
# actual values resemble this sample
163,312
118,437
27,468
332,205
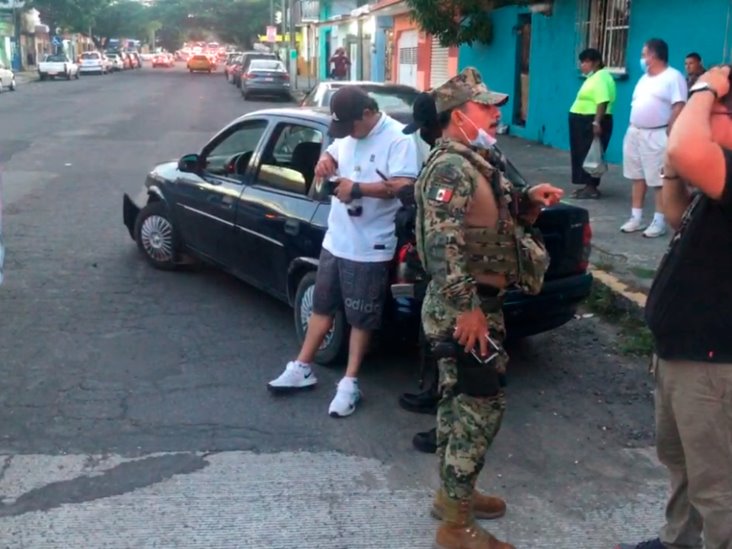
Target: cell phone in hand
494,350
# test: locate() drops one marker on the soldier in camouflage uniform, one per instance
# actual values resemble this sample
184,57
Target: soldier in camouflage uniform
475,239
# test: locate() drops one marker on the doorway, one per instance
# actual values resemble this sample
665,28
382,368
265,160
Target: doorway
523,53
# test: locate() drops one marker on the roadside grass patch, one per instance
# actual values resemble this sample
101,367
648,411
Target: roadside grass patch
643,272
635,337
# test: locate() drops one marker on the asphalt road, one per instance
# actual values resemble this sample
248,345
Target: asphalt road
133,409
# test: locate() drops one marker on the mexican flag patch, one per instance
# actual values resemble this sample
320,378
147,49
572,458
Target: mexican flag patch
440,194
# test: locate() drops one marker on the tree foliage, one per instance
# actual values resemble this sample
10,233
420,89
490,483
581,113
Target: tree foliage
232,21
456,22
170,21
69,15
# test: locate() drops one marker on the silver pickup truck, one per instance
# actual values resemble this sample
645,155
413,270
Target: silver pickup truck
58,65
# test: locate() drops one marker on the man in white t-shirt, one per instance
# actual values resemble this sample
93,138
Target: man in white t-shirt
372,159
658,98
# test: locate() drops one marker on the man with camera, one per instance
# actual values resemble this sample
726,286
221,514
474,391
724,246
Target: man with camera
688,311
371,160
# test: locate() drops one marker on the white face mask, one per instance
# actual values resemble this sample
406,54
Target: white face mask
483,140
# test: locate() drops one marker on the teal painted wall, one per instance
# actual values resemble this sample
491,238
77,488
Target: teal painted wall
323,35
554,76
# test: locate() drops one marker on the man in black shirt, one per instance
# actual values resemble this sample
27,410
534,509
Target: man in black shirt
688,310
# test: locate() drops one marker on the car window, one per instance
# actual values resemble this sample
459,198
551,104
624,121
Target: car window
290,157
266,64
230,156
90,56
56,59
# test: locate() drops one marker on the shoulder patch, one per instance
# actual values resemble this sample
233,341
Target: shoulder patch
440,193
447,175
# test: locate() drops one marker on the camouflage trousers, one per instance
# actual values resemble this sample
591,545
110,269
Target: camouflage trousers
466,425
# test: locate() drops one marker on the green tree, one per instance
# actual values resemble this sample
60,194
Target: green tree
69,15
457,22
234,21
124,18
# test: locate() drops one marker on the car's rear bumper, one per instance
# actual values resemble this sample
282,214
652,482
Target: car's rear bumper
130,210
275,88
90,68
556,305
525,314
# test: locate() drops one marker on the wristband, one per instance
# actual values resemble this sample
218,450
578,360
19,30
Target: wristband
356,191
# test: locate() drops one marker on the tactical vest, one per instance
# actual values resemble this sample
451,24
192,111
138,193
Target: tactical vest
511,248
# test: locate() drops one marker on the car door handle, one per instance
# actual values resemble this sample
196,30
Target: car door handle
292,227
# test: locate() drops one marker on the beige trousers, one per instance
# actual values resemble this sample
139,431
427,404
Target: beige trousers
694,441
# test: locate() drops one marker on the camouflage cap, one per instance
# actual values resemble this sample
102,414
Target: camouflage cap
466,86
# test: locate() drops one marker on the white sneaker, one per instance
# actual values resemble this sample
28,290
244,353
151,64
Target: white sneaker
347,396
295,377
655,229
633,225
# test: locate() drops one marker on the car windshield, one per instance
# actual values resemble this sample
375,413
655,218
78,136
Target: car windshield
56,59
267,65
200,58
90,56
386,97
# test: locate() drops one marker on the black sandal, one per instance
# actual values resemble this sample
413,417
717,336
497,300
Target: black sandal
588,192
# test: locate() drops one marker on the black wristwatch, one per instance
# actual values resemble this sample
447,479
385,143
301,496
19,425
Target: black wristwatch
356,191
703,86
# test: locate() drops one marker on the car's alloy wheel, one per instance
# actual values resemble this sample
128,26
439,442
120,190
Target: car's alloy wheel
334,348
156,237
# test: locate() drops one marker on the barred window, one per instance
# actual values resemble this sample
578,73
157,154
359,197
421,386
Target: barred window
604,25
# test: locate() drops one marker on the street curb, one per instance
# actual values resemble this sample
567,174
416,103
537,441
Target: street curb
625,298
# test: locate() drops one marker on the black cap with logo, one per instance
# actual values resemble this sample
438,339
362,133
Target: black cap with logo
347,106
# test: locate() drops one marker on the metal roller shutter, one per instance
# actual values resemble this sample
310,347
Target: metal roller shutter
439,72
407,47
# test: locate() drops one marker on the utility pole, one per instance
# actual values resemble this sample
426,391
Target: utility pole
292,45
16,25
271,12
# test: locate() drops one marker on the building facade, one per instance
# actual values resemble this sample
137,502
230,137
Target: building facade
533,56
384,44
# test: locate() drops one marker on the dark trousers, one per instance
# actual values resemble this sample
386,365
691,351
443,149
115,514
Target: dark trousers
580,139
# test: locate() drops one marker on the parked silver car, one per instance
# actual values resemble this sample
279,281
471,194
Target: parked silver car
7,78
265,77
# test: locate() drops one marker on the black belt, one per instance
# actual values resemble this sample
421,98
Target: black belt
488,291
491,299
656,128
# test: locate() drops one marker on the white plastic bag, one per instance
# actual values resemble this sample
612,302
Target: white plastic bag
594,163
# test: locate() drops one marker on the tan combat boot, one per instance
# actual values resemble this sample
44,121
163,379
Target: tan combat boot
484,507
459,530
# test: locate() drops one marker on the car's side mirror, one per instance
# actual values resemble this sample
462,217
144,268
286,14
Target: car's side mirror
189,163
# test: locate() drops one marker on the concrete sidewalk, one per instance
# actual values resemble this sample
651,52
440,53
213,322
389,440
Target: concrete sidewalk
630,258
24,77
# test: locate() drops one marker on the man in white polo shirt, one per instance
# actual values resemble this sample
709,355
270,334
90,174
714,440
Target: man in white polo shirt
372,159
658,98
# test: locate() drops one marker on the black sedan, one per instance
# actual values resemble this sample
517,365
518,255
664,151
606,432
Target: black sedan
249,204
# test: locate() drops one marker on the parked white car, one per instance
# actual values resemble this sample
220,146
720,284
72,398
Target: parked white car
94,62
7,78
58,65
116,62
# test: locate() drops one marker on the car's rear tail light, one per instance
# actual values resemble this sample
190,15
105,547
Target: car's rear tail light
249,75
586,247
285,76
